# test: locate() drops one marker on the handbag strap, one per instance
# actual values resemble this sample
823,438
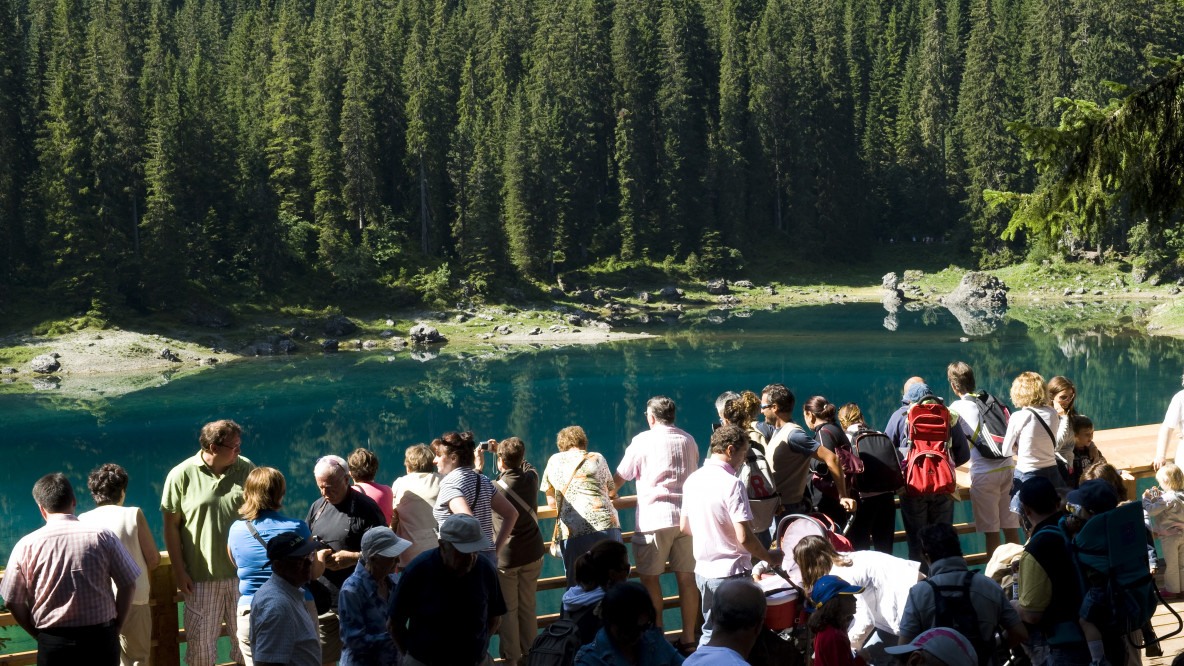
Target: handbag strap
514,496
559,498
1040,420
255,533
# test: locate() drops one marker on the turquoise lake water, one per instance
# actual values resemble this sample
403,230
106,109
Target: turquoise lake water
296,410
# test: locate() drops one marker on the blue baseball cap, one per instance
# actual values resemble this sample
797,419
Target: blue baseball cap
829,587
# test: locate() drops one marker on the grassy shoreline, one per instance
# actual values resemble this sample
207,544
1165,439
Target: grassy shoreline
125,354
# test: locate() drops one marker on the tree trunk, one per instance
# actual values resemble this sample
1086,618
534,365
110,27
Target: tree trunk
423,208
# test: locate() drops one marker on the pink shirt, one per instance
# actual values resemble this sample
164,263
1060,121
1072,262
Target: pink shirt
660,460
382,495
64,571
713,501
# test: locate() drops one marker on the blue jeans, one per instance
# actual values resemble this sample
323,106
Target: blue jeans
1051,473
707,588
917,511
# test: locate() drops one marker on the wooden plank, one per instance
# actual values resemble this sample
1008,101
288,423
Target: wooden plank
667,603
19,658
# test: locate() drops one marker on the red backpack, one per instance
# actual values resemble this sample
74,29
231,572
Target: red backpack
928,469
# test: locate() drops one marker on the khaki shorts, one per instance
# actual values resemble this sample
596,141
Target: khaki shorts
651,550
330,635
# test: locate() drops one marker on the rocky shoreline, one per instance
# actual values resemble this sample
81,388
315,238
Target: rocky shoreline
980,301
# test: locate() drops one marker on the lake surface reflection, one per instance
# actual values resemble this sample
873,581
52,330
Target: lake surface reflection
295,410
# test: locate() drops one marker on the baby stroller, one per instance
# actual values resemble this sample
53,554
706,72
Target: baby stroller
786,640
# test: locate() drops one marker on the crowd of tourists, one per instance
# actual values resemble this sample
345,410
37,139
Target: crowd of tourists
427,570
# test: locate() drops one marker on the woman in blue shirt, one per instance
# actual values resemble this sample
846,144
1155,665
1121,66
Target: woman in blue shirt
263,494
362,604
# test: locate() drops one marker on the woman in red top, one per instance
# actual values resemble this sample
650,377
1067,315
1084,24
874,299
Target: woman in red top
832,606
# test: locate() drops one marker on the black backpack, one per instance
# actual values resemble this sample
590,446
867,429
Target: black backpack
556,645
881,462
954,608
992,425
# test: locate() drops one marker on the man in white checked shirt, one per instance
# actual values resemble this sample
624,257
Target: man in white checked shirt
660,460
58,583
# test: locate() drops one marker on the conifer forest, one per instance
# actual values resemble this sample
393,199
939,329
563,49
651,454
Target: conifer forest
151,148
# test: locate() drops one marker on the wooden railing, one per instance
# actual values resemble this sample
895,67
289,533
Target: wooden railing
1130,449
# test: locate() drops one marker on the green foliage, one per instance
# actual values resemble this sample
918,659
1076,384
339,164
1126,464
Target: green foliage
714,259
435,288
148,149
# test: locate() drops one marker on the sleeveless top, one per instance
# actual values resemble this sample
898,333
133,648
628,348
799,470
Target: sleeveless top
121,521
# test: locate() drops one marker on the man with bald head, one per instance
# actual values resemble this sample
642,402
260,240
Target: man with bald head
739,618
338,520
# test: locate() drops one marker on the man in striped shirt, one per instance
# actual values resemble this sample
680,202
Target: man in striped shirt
58,582
660,460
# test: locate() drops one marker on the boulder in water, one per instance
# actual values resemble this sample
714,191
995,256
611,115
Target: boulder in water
889,282
979,303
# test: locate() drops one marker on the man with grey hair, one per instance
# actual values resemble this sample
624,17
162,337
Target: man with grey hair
660,460
739,618
338,520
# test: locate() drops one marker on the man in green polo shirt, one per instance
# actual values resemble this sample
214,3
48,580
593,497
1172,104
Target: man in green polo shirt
201,499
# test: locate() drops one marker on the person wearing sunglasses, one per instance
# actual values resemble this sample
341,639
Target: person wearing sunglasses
200,502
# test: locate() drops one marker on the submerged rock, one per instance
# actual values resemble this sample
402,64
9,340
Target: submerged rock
46,383
329,346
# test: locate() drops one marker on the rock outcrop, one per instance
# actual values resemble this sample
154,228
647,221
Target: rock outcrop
979,303
339,326
424,334
44,364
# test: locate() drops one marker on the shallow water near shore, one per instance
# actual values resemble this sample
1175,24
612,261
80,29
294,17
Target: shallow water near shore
296,410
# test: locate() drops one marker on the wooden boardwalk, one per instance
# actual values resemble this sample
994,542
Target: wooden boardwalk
1163,623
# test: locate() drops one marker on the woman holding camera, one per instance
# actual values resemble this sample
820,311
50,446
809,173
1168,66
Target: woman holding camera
580,484
465,490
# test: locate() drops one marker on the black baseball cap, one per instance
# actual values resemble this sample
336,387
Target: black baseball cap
289,544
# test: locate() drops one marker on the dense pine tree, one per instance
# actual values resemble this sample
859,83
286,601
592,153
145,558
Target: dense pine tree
152,150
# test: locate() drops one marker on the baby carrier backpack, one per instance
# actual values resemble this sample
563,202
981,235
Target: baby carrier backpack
954,608
881,462
757,478
929,470
1111,554
987,438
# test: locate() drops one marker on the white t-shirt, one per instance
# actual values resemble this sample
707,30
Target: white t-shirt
713,500
709,655
968,413
1029,441
1175,419
886,581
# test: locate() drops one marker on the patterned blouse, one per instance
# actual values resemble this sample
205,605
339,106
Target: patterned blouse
586,507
